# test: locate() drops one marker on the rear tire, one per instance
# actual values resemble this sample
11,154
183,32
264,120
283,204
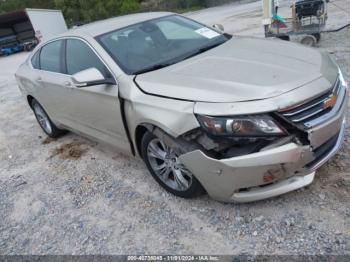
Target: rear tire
166,169
44,121
309,40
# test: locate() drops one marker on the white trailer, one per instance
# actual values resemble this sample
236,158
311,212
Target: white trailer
46,23
30,25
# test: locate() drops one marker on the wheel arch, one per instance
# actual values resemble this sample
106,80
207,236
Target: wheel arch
30,100
140,131
148,113
155,131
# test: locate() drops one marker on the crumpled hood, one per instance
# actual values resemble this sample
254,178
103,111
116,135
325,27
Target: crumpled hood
242,69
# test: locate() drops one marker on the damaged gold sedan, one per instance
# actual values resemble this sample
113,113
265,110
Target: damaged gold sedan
240,118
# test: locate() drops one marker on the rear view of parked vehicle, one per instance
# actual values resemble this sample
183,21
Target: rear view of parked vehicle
240,118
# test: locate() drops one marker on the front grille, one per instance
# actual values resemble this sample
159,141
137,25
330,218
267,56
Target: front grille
302,115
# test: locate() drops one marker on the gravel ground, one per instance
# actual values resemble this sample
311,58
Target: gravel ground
76,196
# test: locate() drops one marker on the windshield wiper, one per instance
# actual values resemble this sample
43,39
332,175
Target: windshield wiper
203,49
162,65
152,68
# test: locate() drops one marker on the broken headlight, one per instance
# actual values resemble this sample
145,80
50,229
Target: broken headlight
241,126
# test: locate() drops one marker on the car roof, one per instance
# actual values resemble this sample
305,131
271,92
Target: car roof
115,23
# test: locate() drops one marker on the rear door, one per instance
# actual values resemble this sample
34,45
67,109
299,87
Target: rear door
51,80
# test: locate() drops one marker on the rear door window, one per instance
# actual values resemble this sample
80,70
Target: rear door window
79,56
51,57
36,60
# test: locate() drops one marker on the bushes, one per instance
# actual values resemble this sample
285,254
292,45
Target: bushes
91,10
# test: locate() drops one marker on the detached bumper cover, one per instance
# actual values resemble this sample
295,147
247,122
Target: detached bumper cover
276,189
242,179
224,179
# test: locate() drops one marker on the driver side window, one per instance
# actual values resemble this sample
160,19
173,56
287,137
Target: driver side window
79,56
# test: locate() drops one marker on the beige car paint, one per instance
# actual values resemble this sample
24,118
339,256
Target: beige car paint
82,110
222,178
241,69
169,99
175,117
292,98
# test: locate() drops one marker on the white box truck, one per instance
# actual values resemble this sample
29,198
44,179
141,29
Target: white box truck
23,29
46,23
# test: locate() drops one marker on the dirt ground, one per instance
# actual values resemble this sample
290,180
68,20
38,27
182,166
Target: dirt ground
76,196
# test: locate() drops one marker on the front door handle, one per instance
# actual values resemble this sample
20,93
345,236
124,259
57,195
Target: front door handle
39,79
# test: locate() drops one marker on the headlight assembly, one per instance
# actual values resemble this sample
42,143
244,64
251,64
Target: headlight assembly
241,126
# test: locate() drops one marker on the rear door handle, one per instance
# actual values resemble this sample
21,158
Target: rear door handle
39,79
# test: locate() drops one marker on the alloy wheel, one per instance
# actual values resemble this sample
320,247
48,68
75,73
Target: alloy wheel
43,119
166,165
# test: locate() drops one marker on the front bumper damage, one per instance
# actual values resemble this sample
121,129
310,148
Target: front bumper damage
270,172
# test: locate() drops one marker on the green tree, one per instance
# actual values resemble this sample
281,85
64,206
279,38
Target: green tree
91,10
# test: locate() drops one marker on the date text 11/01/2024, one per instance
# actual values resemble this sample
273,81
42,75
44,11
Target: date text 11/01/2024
173,258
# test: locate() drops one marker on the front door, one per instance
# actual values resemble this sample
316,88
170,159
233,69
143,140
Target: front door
93,110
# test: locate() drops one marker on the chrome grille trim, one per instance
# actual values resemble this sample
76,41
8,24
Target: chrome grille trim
303,109
337,86
298,120
306,115
331,113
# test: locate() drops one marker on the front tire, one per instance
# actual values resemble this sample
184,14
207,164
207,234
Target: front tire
44,121
165,167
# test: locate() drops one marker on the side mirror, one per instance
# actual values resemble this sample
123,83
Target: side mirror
219,27
90,77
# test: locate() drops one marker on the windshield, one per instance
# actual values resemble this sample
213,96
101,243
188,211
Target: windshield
158,43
